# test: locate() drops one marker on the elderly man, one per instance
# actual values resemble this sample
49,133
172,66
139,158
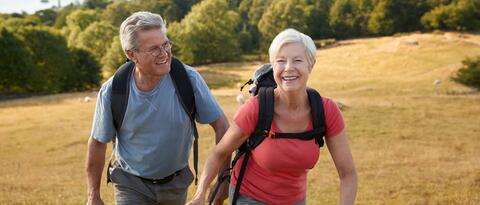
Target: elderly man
153,140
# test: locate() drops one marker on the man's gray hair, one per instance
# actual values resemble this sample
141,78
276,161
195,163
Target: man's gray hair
138,21
291,35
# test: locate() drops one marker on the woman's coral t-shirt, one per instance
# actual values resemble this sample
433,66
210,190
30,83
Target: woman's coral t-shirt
277,170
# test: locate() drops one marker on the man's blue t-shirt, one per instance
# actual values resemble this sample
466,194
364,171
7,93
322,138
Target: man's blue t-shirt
156,135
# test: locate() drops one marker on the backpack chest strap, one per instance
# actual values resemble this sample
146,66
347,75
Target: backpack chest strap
316,134
309,135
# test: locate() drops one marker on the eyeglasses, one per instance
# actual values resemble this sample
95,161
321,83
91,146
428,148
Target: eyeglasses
156,51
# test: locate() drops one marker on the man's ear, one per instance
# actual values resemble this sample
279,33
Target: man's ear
132,56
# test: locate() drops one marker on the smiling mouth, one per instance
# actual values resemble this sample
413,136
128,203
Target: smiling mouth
162,60
289,78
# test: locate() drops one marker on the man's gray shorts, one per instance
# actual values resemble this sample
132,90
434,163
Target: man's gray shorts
130,189
242,199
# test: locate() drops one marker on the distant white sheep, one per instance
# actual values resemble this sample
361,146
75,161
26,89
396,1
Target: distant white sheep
87,99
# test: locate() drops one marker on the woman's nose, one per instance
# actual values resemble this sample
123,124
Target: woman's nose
289,65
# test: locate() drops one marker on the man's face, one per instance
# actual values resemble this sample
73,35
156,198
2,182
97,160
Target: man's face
153,55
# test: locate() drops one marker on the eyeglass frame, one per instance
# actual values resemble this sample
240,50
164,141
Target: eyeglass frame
168,43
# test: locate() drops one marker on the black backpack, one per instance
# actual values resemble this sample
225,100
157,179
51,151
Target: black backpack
263,86
120,93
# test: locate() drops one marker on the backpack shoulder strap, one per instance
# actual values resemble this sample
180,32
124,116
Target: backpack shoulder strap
120,91
265,116
119,101
318,114
184,88
262,129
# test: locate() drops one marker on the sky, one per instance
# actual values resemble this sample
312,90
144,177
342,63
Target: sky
30,6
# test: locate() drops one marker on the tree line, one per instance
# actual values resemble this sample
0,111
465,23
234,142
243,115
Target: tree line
76,47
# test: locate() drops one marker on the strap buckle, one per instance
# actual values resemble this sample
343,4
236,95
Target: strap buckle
270,134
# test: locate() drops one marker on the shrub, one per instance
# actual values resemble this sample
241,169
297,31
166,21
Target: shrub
469,74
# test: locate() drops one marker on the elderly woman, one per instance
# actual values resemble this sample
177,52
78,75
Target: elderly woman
277,170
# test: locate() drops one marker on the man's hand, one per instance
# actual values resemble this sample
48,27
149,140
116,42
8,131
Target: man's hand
94,168
95,200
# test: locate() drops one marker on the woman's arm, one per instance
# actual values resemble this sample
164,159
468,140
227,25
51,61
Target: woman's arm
233,138
342,157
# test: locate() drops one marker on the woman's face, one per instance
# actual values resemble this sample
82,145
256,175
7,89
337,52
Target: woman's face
290,68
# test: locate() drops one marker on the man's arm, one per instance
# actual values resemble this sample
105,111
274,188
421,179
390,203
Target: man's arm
220,126
94,168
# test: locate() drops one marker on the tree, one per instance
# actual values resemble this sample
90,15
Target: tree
435,3
17,65
86,71
280,15
254,9
47,16
77,22
246,41
317,18
168,9
382,18
349,18
61,19
117,12
390,16
342,19
95,4
251,12
413,12
458,15
15,23
96,39
113,58
185,6
207,34
82,18
52,62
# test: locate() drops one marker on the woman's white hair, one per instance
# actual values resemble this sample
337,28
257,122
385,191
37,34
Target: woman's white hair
138,21
291,35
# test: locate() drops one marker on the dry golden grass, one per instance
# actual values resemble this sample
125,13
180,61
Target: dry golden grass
413,142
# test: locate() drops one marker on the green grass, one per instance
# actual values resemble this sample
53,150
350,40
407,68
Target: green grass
412,142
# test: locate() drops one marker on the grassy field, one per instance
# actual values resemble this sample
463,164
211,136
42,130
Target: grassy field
413,142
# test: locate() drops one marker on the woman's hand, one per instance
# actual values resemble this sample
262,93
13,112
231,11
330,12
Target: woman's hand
221,195
198,199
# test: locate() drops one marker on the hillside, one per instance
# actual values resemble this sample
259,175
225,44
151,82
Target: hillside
413,141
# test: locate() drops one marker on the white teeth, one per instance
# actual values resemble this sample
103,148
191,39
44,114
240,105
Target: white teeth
289,77
162,62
